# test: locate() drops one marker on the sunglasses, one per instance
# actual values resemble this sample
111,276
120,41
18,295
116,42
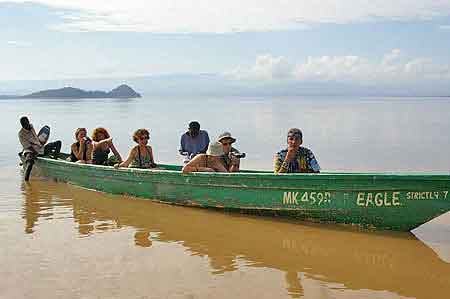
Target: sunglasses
227,143
293,137
144,138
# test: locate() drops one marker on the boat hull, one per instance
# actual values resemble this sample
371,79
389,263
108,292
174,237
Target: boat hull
380,201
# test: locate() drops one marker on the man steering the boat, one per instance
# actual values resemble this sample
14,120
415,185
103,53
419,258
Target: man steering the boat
296,158
34,144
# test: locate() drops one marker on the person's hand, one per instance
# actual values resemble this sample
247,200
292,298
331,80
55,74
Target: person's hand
116,166
292,151
234,160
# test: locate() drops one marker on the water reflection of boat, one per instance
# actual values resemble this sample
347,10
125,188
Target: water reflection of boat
385,201
393,262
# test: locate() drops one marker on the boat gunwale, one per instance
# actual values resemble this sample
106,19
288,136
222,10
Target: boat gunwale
261,174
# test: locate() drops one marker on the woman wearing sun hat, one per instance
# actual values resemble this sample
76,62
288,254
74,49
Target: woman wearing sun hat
209,162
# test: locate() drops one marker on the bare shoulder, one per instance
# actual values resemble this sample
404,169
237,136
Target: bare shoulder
134,149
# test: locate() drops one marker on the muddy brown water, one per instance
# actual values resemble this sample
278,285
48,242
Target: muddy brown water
62,241
70,242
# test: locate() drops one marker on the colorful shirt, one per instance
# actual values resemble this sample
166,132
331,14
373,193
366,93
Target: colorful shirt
304,161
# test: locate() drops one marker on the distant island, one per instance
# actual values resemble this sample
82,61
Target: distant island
122,92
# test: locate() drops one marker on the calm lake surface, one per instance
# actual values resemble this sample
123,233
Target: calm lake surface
61,241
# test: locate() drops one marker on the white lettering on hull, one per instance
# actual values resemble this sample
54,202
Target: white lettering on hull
290,198
426,195
363,199
378,199
313,198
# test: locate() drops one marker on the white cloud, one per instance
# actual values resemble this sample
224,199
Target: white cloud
18,43
392,67
220,16
331,68
266,67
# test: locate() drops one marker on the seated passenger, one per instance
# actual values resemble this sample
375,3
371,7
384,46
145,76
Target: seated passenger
295,158
194,141
209,162
141,156
81,151
32,144
231,157
103,145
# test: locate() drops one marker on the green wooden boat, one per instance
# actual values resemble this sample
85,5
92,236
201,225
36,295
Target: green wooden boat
370,200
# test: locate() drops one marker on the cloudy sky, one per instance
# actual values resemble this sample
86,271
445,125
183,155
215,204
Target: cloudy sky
354,41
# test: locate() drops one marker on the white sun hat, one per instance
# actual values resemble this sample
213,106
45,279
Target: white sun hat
215,149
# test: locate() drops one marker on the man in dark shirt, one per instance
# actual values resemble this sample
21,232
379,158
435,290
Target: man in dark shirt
194,141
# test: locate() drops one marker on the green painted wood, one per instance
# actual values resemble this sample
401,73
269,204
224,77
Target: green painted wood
382,201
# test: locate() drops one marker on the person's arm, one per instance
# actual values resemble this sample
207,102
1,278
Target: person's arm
280,166
235,162
35,135
101,142
26,144
89,151
206,142
194,165
182,145
234,165
29,140
130,158
78,152
115,152
218,167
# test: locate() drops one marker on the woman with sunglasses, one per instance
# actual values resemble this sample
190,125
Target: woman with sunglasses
295,158
141,156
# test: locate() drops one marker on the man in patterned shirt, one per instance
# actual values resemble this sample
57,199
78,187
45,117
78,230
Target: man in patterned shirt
295,158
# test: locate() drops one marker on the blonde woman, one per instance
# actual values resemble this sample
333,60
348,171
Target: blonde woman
103,145
81,150
141,155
